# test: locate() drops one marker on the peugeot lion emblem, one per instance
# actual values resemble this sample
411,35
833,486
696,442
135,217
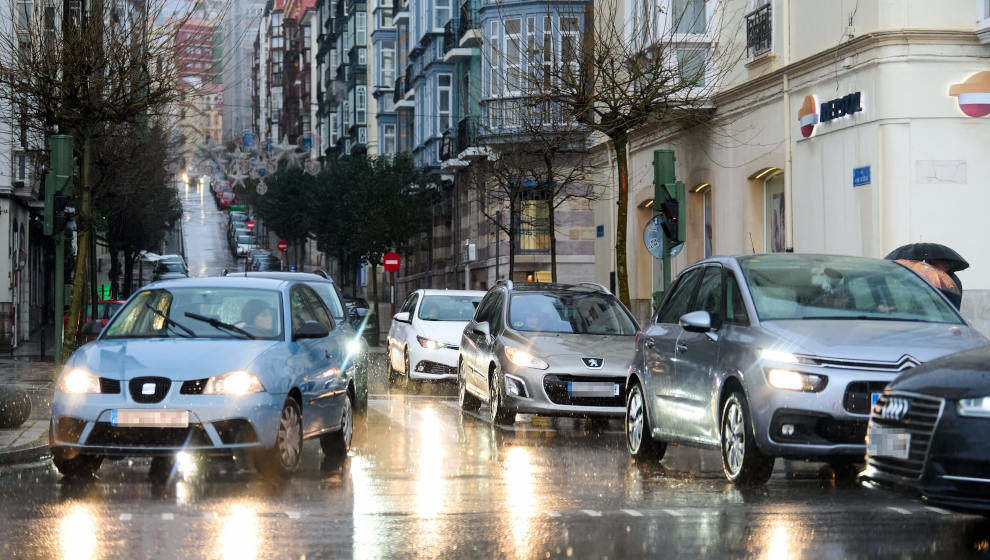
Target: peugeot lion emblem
593,363
895,409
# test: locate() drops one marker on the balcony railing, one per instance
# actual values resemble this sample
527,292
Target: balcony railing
759,31
447,145
449,37
408,80
399,90
467,133
468,19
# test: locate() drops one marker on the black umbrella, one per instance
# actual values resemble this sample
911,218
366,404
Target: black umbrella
929,252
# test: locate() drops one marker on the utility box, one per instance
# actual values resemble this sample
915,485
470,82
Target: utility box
470,252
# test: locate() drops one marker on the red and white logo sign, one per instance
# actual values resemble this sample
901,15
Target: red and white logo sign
973,94
283,245
249,225
808,116
391,262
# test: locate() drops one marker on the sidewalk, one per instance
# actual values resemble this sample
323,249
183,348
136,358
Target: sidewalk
25,370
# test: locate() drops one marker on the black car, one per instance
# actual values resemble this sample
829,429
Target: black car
364,319
929,433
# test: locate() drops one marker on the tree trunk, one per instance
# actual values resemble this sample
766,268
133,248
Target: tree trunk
114,272
619,143
84,229
513,232
128,274
552,225
374,295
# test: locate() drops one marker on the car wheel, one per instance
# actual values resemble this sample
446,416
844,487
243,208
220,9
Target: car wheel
283,459
742,462
467,401
639,433
405,365
500,415
335,444
76,465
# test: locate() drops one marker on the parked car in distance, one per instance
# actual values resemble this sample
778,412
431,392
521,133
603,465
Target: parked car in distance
550,349
766,356
170,267
105,310
363,319
210,366
425,336
266,263
245,244
928,433
227,200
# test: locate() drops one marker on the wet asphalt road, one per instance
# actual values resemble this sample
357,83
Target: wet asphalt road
203,228
427,481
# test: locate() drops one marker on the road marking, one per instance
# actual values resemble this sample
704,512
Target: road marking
126,517
901,511
168,516
592,513
632,512
938,510
210,515
553,513
672,512
294,514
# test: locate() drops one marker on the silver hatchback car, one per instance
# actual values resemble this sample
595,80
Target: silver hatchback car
550,349
782,355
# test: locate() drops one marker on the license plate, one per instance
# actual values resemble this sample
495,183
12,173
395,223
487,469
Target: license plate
142,418
592,389
888,442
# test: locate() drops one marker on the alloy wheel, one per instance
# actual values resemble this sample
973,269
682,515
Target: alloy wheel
634,419
734,438
290,436
347,423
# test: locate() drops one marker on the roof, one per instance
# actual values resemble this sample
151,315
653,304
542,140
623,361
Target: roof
478,293
555,287
219,282
286,276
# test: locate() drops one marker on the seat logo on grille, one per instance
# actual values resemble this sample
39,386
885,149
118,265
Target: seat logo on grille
593,363
148,389
895,409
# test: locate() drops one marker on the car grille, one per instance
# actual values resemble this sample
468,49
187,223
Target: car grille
235,431
194,387
106,434
859,395
556,388
109,385
904,363
434,368
137,384
920,421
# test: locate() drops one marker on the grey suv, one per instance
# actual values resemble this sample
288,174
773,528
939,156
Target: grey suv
550,349
782,355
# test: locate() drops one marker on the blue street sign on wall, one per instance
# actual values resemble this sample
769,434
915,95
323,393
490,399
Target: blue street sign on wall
247,139
861,176
307,142
600,231
268,145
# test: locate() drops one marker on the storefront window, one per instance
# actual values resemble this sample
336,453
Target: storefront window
773,217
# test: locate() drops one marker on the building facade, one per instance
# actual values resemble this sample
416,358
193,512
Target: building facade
240,23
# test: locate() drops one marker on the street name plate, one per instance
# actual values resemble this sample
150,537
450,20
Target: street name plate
146,418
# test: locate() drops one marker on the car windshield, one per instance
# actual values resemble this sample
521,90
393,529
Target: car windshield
171,266
162,313
827,287
329,297
448,308
579,313
245,239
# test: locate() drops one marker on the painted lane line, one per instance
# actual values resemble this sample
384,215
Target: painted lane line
168,516
126,517
632,513
939,511
901,511
592,513
294,514
672,512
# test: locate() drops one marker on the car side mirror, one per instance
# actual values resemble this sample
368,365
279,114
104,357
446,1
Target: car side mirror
696,321
311,329
92,329
483,329
402,317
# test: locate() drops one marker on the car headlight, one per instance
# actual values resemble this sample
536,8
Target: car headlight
974,407
523,358
796,381
354,347
428,343
234,383
79,381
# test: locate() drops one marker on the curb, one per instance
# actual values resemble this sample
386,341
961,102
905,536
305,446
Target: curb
30,453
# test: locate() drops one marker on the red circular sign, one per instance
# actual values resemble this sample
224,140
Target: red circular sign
250,225
391,262
283,246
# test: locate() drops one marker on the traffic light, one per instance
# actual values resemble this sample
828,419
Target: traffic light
60,215
671,221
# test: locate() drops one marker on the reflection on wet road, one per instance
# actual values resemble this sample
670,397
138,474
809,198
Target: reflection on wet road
207,252
425,480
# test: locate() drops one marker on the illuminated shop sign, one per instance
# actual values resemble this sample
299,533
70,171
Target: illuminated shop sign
811,114
973,94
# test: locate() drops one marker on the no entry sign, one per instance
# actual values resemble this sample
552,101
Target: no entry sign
250,224
391,262
283,245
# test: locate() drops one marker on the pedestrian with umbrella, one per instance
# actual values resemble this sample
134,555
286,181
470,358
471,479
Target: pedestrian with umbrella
937,264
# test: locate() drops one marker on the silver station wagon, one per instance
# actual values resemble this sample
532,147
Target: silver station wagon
766,356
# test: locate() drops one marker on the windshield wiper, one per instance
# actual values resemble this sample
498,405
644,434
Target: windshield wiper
171,323
218,324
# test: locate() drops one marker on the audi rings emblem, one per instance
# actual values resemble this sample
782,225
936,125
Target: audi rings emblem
895,409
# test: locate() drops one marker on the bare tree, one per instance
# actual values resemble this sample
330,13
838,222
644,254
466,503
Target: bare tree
82,67
614,76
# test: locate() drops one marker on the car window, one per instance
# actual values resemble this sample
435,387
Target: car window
735,307
305,306
484,308
495,315
570,312
317,308
680,298
709,297
410,303
328,294
448,308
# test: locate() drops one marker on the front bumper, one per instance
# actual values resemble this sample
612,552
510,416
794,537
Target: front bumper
217,424
435,364
545,392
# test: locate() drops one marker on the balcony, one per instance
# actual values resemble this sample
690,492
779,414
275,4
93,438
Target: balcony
402,87
467,134
468,25
759,31
451,50
401,12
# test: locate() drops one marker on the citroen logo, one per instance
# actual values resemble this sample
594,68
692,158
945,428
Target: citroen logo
907,362
593,363
895,409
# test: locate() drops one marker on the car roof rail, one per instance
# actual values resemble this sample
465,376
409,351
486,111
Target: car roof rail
507,283
596,286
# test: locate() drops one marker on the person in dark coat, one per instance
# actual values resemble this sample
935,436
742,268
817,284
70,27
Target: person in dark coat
948,268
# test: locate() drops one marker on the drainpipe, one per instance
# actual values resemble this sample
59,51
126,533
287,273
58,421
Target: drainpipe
788,128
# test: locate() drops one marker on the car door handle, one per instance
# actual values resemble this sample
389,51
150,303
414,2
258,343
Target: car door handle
650,343
328,354
680,347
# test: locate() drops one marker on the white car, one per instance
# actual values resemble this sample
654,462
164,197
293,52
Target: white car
245,244
425,336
